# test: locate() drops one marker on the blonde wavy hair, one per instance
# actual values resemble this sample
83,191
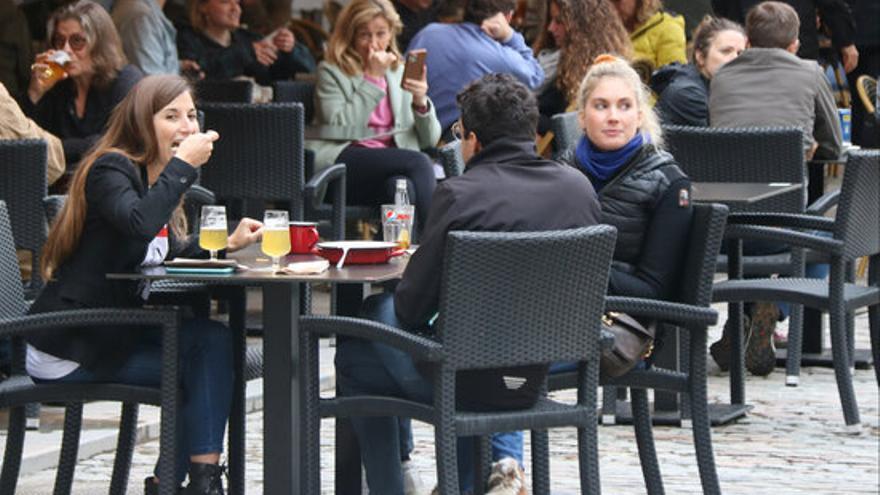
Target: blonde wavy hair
357,14
606,65
130,132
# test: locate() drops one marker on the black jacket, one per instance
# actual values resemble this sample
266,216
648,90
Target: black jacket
56,112
505,188
648,200
682,95
238,59
122,218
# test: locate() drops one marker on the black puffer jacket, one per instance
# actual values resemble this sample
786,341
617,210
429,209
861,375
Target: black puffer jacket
648,201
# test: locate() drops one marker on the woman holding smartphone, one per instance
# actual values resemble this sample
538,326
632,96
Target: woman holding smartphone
361,84
123,212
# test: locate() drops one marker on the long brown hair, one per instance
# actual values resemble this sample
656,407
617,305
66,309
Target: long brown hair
592,27
341,51
104,45
130,132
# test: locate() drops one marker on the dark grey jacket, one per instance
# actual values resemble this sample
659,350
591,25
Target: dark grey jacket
648,201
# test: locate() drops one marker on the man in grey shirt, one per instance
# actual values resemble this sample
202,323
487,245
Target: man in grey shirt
148,37
768,85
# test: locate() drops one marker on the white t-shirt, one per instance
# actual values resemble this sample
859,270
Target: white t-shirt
48,367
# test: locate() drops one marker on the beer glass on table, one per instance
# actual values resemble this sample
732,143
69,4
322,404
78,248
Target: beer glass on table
212,229
276,236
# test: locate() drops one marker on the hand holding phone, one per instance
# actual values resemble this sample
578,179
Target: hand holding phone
414,67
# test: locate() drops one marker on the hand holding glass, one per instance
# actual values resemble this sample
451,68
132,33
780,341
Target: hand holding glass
276,236
212,229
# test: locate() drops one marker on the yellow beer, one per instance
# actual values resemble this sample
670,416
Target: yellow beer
276,242
403,238
212,239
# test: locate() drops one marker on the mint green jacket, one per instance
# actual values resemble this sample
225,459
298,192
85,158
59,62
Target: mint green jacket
346,100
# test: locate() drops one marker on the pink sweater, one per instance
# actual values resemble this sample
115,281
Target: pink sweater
382,119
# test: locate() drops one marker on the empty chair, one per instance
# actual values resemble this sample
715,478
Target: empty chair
856,233
296,92
224,91
23,188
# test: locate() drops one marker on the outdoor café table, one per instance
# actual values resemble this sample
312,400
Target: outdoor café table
282,390
739,194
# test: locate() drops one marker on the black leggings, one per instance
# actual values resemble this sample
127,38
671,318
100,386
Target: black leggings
372,173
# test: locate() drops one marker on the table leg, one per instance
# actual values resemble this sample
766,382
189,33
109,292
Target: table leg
281,389
348,457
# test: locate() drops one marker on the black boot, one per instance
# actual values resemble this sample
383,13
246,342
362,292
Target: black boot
205,479
152,488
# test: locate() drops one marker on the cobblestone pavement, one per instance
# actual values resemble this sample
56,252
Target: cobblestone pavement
793,441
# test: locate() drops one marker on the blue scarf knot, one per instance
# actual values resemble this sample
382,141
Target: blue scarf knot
601,166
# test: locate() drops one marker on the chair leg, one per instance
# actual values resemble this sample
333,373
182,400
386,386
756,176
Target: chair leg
737,354
124,448
540,462
12,455
69,448
874,325
482,462
236,460
840,346
446,455
699,413
609,404
645,441
588,457
793,348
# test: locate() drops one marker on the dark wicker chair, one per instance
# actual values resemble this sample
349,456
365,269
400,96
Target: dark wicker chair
856,233
488,320
23,188
566,131
296,92
249,359
19,389
224,91
692,312
751,154
451,158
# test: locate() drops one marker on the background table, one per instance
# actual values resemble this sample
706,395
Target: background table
283,394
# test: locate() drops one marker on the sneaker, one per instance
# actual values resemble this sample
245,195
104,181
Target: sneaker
412,481
760,351
507,478
720,350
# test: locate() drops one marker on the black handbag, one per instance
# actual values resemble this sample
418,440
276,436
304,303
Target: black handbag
632,343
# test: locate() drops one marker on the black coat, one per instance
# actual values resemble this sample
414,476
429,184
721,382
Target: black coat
122,217
682,95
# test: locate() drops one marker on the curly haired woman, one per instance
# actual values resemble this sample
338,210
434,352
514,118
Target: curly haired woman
575,32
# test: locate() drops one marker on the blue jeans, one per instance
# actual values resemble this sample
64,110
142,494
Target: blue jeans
206,378
370,368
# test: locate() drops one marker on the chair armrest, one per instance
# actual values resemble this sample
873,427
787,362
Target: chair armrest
672,312
145,318
787,220
824,203
420,347
197,194
316,187
792,238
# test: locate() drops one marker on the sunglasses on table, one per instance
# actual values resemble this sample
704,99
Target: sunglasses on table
77,41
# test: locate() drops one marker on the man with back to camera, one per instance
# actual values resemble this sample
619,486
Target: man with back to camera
506,187
482,44
747,91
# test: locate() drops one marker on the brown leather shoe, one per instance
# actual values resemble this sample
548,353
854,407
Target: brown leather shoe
760,350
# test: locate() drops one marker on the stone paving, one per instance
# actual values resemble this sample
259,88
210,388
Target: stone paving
793,441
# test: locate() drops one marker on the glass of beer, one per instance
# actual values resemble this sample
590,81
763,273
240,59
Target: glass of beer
212,229
276,236
55,66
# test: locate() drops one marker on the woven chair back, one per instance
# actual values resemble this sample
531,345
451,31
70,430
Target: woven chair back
512,299
11,292
858,212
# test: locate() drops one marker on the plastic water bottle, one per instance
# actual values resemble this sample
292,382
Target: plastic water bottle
401,198
401,195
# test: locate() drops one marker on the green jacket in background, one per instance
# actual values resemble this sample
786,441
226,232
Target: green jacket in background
660,40
344,100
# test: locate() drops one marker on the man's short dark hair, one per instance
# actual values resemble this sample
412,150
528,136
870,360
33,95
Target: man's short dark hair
477,11
496,106
772,25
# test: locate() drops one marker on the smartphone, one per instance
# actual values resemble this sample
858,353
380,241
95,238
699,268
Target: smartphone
414,67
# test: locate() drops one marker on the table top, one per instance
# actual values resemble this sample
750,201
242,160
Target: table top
259,272
742,193
348,132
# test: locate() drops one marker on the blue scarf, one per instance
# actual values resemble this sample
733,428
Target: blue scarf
601,166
